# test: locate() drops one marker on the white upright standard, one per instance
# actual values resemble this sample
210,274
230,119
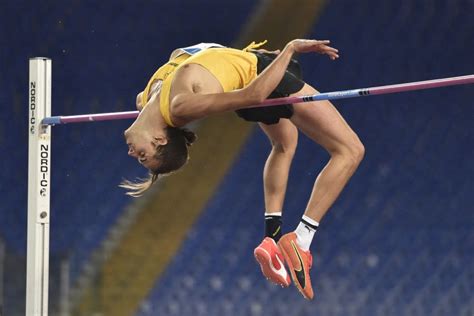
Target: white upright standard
39,167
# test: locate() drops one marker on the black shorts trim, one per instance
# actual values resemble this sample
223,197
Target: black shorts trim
292,82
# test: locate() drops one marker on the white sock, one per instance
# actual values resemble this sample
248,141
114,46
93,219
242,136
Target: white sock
273,214
305,232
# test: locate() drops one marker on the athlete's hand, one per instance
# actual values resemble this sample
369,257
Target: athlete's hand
307,46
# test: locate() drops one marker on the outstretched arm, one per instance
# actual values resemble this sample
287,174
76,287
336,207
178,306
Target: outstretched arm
190,106
268,80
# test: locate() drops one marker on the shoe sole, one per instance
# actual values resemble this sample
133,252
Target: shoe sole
263,259
292,272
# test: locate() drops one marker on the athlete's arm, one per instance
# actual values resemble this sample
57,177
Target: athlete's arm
190,106
187,107
268,80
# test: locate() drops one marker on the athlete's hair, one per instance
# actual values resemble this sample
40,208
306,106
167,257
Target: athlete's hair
171,156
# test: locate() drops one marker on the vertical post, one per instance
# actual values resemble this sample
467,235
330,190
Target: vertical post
39,167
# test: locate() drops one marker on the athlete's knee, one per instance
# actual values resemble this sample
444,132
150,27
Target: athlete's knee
352,151
358,151
287,147
283,138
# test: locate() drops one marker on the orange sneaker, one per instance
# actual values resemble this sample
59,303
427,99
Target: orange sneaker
299,262
271,260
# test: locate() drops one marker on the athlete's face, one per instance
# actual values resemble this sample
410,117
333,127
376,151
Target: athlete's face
142,146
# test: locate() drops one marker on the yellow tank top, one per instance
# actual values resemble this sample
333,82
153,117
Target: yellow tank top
233,68
162,73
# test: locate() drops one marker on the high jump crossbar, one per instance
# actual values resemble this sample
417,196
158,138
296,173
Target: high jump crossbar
410,86
39,161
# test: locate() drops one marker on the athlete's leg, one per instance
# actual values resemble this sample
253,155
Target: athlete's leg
322,123
284,138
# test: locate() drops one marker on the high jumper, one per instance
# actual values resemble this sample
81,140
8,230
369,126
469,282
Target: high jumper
202,80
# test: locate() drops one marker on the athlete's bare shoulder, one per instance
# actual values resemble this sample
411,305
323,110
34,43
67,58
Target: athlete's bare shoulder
184,79
197,79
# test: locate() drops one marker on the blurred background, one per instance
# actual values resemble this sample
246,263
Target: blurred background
399,241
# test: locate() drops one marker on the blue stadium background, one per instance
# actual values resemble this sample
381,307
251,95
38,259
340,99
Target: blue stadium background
399,241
